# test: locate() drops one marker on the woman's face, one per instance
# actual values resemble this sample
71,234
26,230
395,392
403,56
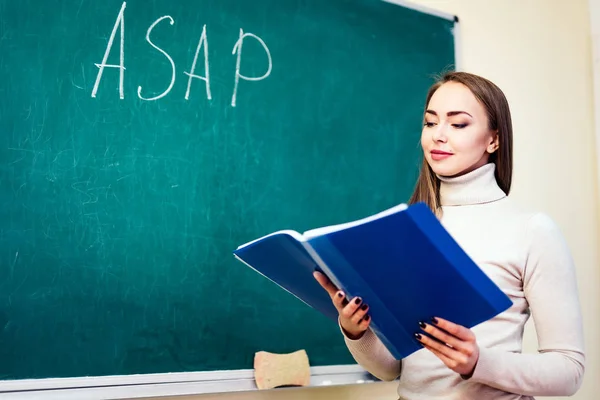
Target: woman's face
456,138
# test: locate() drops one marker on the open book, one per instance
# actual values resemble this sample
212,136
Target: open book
401,262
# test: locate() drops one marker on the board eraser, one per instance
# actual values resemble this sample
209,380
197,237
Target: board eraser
276,370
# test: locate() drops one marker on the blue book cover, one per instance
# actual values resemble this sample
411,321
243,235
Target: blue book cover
401,262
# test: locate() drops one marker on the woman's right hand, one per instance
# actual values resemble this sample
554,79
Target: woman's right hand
353,315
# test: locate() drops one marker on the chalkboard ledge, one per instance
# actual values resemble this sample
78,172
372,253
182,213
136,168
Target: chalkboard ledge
170,384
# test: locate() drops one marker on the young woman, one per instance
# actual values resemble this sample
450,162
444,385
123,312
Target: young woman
466,179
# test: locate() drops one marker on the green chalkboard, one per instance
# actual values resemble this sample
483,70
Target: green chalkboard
123,192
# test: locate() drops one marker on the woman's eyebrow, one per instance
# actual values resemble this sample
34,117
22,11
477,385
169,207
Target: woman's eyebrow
449,113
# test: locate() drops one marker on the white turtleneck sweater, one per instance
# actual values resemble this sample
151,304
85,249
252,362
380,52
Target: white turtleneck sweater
525,254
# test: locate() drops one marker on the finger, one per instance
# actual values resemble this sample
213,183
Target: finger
325,283
453,329
446,360
445,337
442,348
350,308
339,300
359,314
364,324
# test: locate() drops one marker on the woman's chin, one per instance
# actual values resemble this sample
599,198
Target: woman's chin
444,170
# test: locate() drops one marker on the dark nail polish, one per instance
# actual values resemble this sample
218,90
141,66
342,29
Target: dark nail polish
434,320
364,307
422,325
357,300
367,317
340,294
418,336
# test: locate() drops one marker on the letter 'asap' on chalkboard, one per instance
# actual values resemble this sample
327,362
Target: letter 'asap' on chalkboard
202,44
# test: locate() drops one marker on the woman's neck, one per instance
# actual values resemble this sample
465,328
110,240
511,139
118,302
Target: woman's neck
476,187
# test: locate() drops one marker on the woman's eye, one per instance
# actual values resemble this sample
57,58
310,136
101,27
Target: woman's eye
429,124
459,126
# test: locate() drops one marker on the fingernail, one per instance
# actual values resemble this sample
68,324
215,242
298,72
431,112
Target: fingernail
434,320
364,307
418,336
357,300
422,324
367,317
340,294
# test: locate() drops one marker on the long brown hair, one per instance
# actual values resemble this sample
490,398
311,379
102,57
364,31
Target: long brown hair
427,188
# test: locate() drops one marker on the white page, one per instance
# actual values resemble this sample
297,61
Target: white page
335,228
290,232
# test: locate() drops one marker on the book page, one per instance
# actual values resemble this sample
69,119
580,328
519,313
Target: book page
289,232
339,227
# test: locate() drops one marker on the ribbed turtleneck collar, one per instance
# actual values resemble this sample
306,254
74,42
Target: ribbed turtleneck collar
476,187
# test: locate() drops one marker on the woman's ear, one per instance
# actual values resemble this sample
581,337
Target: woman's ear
494,143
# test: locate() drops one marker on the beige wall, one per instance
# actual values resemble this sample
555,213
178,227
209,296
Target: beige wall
539,53
595,21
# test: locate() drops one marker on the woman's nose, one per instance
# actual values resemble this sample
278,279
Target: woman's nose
439,135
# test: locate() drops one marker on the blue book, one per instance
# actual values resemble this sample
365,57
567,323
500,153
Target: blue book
402,262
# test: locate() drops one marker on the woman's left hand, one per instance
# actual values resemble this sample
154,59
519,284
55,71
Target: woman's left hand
456,345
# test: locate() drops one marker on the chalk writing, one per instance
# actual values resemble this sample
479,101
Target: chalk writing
165,54
119,23
202,44
203,40
238,48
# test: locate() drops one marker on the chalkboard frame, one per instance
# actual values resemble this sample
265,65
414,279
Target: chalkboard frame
202,382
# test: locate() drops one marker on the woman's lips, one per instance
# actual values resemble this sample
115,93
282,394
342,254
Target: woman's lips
438,155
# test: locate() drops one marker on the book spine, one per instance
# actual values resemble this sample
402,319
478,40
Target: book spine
323,266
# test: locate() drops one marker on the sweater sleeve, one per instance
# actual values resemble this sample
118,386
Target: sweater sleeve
372,355
550,287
